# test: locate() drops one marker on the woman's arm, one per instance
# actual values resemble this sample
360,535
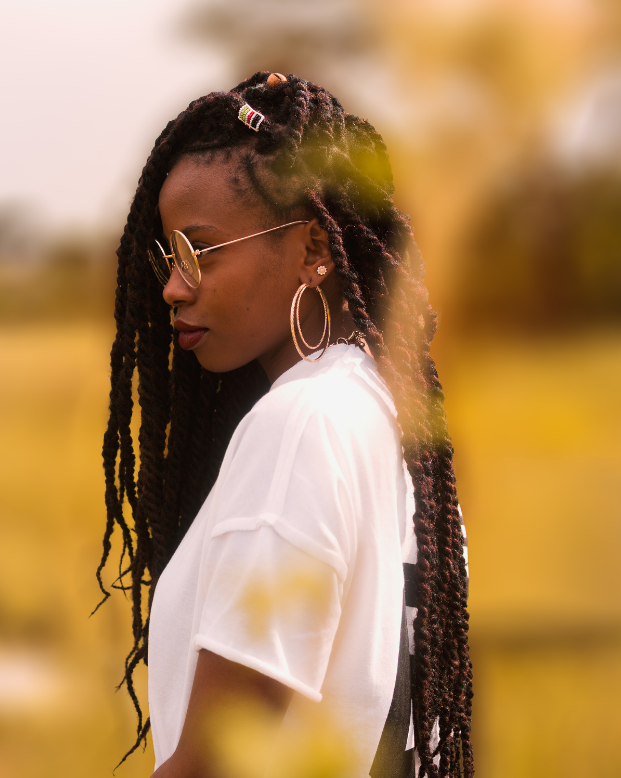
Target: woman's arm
218,684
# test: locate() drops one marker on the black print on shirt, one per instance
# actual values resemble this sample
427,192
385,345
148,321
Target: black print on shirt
392,760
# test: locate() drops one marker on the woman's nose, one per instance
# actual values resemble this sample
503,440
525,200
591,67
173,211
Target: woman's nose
177,291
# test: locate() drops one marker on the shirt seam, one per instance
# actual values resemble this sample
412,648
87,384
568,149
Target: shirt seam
286,532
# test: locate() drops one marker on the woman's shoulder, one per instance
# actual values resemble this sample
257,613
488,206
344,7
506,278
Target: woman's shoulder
342,392
305,448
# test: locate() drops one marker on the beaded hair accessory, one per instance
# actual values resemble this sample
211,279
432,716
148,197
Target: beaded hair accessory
250,117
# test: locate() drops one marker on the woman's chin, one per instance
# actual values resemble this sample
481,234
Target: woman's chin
219,363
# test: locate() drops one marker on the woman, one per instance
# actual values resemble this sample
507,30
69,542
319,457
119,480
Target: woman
273,506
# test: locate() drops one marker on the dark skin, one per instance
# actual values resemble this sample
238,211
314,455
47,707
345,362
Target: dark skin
245,295
244,300
219,682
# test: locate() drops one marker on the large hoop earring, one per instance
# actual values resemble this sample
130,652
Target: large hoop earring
295,323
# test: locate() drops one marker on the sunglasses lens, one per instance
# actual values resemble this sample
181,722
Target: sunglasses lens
159,263
185,259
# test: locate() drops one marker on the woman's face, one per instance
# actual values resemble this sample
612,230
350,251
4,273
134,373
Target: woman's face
243,302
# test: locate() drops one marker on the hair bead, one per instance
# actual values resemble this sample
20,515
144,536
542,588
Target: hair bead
275,78
250,117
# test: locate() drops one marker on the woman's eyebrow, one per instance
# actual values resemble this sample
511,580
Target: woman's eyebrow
196,227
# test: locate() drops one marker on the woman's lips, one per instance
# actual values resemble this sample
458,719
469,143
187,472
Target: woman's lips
190,338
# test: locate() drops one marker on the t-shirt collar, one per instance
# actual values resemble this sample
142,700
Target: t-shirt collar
304,369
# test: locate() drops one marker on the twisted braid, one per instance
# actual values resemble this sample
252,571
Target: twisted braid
185,392
201,467
309,153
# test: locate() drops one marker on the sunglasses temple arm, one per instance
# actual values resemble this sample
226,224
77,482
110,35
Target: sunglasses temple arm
246,237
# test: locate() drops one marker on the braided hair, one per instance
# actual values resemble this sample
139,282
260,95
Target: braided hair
308,153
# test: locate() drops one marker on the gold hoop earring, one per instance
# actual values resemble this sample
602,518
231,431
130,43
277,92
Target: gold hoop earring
295,322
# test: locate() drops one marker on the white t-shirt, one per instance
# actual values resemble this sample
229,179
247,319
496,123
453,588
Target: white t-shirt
294,564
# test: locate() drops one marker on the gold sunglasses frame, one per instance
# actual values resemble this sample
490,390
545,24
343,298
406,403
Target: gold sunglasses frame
171,259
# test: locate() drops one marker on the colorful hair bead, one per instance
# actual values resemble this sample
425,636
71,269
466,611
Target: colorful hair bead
250,117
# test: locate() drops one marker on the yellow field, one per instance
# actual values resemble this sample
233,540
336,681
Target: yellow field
60,715
536,430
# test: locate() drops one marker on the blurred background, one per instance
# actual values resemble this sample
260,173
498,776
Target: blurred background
504,124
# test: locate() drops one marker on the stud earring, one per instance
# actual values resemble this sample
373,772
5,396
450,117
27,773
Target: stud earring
322,270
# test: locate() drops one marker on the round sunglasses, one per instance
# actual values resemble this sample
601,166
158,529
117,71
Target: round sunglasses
186,258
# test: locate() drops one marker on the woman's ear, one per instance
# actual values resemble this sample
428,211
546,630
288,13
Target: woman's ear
317,264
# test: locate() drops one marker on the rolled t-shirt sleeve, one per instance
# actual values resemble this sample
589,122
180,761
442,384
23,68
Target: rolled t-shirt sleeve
284,538
270,606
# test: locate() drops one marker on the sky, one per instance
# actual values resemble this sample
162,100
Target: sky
87,87
89,84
